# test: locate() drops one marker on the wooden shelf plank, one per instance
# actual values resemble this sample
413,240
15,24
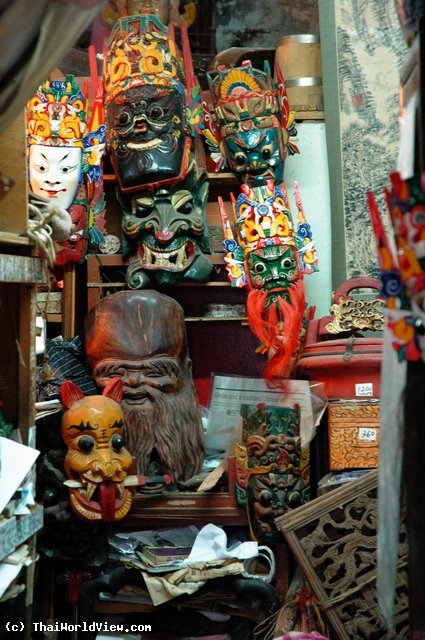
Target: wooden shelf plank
117,259
13,239
123,285
22,269
183,508
242,319
54,317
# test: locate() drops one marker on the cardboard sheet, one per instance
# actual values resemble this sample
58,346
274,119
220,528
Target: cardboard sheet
16,461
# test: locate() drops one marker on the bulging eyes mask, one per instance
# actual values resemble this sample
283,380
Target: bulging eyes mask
97,462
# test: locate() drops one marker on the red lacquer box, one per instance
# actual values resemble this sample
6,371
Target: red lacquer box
349,368
339,351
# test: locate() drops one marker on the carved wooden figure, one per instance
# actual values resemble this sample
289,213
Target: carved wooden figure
272,475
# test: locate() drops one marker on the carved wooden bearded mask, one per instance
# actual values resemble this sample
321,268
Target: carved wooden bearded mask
97,461
140,336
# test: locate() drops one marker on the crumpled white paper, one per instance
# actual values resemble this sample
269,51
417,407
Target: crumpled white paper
211,544
210,557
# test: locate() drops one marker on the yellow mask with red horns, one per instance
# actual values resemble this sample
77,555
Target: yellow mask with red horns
97,462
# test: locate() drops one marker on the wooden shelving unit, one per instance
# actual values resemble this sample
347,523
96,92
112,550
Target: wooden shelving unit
21,271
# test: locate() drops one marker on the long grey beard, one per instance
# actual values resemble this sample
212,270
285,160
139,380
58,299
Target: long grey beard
173,427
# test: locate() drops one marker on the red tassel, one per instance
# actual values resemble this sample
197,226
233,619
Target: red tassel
280,328
75,578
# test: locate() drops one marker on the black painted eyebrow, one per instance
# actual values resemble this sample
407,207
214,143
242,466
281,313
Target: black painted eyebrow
60,160
82,427
118,424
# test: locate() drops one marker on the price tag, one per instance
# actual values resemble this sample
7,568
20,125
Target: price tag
364,389
366,434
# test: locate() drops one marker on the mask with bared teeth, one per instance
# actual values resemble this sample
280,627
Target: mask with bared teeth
97,462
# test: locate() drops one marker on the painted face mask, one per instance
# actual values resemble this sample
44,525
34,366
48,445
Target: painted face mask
55,173
145,136
268,254
273,269
166,234
254,126
154,112
64,158
256,155
97,461
152,103
56,126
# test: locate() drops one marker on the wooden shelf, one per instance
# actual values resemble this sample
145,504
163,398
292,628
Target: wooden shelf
184,508
19,275
54,317
123,285
117,259
96,285
22,269
219,177
241,319
13,239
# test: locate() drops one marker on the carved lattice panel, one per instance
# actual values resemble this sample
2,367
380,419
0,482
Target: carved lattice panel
333,539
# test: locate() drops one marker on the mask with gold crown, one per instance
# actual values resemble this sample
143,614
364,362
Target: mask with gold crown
65,148
269,255
255,129
153,103
154,118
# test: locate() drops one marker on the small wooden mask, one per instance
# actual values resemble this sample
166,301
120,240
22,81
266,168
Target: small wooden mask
97,462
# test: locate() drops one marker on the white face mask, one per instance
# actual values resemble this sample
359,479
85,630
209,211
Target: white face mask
54,173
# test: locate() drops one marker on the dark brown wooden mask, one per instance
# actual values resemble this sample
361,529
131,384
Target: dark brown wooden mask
140,336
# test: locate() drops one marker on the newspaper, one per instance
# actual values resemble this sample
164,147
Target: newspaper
229,393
